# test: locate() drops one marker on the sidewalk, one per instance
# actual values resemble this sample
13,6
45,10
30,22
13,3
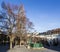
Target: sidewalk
24,49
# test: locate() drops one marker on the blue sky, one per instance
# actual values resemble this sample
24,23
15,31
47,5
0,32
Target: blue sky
45,14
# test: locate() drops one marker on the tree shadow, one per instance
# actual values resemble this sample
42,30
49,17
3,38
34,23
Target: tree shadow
55,48
4,47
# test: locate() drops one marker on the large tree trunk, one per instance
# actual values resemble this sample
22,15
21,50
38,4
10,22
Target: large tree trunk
15,42
20,42
11,41
10,44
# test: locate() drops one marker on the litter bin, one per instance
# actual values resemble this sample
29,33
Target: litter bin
37,45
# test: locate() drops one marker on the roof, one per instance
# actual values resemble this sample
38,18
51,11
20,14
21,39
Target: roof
53,31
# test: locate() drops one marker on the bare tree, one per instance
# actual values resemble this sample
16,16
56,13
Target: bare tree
10,20
23,24
17,19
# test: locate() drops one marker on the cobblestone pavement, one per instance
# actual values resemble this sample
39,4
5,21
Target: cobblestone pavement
23,49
